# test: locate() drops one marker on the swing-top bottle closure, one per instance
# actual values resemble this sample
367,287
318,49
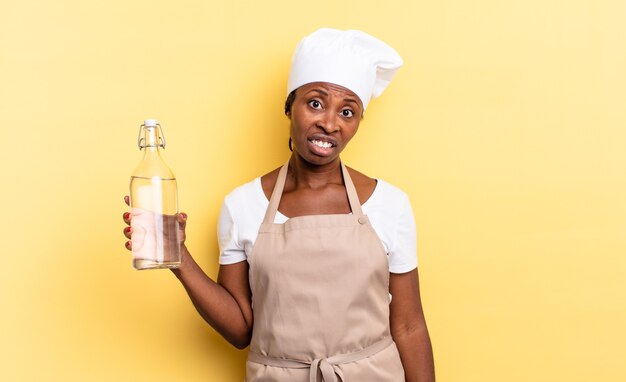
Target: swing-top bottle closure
150,142
150,124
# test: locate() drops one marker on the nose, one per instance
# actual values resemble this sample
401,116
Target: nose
328,122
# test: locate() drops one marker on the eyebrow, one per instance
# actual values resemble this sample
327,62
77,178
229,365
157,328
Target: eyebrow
326,95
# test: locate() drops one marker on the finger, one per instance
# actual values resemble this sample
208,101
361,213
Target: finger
129,245
182,223
126,217
128,232
182,219
127,200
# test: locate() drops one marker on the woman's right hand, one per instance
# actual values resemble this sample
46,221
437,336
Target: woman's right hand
127,229
127,216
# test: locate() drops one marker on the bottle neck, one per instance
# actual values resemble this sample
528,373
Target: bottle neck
152,140
152,165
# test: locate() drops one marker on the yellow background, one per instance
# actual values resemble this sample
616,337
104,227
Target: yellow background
506,127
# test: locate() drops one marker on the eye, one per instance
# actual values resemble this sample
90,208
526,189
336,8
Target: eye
347,113
315,104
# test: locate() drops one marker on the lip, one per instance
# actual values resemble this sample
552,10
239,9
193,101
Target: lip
323,138
322,151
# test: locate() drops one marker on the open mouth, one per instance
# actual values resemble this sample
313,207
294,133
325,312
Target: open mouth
322,146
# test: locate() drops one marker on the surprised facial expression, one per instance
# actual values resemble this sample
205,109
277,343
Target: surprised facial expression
324,117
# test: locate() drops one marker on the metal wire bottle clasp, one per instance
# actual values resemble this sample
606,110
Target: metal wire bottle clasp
160,136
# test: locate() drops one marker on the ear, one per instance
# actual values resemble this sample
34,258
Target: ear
288,114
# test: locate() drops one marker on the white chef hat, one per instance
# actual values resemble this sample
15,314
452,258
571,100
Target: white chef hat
352,59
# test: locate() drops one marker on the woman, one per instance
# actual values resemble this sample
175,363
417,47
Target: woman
317,290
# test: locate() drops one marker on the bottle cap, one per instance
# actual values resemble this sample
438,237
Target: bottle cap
150,123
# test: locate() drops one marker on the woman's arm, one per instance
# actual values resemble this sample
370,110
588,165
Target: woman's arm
225,305
408,327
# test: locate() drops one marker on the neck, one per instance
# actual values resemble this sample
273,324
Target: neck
307,175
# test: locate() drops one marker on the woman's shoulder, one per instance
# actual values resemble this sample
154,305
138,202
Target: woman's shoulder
360,179
389,190
257,188
246,203
243,189
377,188
365,185
388,197
245,194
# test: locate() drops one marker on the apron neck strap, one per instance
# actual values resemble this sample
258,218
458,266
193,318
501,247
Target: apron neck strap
270,213
353,198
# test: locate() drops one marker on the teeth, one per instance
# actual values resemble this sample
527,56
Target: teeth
322,144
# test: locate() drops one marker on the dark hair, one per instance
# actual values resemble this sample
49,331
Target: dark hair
289,101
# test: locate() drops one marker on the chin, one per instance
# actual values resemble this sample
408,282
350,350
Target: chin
316,160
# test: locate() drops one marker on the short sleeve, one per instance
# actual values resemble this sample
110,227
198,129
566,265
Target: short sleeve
231,251
403,248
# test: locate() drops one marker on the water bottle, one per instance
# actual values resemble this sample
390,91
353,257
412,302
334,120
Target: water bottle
154,204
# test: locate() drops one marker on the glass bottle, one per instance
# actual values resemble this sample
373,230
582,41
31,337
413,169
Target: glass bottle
154,204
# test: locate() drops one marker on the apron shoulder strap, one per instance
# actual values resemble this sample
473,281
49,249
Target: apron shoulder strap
270,213
353,197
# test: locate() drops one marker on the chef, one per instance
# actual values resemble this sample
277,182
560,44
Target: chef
318,268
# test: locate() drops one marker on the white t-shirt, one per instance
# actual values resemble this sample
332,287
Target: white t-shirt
388,209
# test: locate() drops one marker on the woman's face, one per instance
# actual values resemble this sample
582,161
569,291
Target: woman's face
324,117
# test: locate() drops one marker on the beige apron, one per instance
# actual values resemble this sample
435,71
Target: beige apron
320,287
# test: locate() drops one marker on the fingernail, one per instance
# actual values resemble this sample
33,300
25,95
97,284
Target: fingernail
126,215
